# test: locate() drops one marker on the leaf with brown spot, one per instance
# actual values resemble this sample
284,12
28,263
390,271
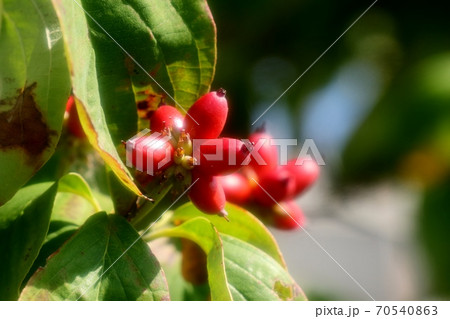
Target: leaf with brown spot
23,127
254,275
34,82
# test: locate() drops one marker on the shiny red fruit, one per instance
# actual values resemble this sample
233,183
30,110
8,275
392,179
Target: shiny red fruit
237,188
207,117
207,194
289,217
274,186
73,120
305,173
220,156
166,116
268,153
151,154
70,103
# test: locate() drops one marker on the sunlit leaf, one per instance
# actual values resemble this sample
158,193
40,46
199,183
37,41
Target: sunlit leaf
75,184
236,270
254,275
203,233
242,225
104,260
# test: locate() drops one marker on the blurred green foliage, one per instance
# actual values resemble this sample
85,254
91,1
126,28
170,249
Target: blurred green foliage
434,225
405,132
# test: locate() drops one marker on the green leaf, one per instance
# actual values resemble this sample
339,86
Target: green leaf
171,260
73,205
96,264
181,56
124,200
235,268
58,233
254,275
34,87
202,232
82,63
24,222
74,202
75,184
168,49
72,209
243,225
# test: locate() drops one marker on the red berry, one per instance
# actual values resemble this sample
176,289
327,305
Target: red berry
237,188
73,120
166,116
268,153
279,184
289,217
70,103
207,194
207,117
305,173
152,154
220,156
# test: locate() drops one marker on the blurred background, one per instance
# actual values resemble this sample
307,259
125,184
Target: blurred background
377,105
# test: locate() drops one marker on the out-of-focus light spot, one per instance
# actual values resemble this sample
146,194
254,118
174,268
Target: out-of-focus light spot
331,114
278,121
423,167
434,75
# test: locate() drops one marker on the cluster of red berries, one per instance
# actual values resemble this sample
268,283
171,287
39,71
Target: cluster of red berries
213,180
173,146
270,186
